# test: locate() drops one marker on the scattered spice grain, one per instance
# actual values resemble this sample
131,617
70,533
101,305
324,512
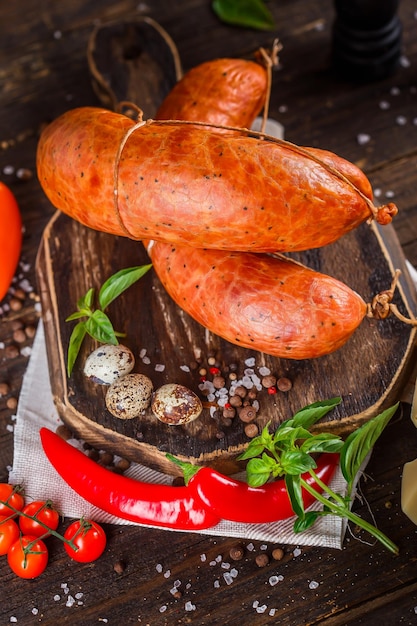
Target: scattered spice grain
277,554
236,553
262,560
119,567
284,384
251,430
247,413
11,403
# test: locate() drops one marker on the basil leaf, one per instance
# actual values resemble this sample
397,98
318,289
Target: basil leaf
360,442
253,449
248,13
303,523
77,336
323,442
75,316
119,282
293,485
311,414
290,434
296,462
258,472
86,301
100,328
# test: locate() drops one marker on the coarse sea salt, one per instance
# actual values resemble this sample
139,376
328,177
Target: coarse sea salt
363,139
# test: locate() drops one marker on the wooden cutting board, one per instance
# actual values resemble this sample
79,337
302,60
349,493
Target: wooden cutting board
369,372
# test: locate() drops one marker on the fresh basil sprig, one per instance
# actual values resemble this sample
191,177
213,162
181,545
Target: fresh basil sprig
246,13
287,453
98,324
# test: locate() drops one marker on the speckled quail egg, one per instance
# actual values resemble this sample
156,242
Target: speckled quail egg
108,363
128,397
175,404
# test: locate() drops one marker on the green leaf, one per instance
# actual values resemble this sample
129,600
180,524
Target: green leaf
312,413
288,436
253,449
77,336
99,327
86,301
258,472
360,443
323,442
246,13
293,485
303,523
119,282
296,462
75,316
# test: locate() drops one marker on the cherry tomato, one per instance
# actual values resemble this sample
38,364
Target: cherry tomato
9,533
10,238
90,539
10,494
44,512
28,556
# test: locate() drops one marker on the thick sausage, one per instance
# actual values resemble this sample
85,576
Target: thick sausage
273,305
232,92
227,92
183,184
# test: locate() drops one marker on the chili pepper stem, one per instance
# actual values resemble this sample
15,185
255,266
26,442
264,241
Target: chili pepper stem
188,469
50,530
340,509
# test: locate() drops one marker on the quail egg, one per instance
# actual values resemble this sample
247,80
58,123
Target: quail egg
175,404
128,397
108,363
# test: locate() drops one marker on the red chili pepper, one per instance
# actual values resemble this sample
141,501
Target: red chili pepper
236,501
145,503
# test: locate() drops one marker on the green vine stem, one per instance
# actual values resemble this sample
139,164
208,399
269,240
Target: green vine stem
50,531
341,510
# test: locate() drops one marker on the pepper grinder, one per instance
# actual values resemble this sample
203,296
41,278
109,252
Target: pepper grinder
367,38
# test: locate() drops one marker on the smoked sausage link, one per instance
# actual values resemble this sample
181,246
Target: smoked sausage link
227,92
186,185
273,305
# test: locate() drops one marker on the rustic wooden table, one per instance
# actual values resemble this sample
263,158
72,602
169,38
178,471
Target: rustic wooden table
43,72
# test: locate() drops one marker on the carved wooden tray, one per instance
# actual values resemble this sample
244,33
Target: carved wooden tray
369,372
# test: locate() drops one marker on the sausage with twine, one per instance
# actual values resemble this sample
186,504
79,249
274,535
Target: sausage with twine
180,183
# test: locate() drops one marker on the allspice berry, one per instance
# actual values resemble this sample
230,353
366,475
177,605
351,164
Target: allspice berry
251,430
284,384
269,381
262,560
247,413
236,553
235,401
277,554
